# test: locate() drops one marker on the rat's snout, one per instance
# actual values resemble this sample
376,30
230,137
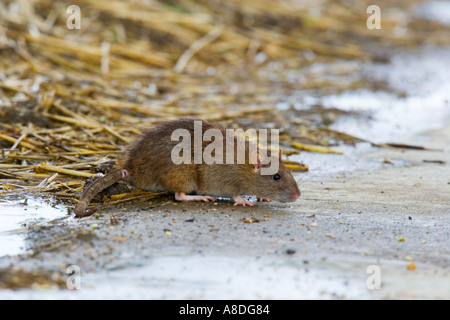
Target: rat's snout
292,197
296,195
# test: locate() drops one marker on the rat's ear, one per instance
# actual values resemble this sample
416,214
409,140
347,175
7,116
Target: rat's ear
257,159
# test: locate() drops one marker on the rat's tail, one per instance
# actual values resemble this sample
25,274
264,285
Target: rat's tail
94,188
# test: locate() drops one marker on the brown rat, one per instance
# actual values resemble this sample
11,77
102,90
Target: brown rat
149,165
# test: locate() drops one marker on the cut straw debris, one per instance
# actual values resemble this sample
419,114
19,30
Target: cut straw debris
82,152
131,197
115,134
312,148
65,171
14,140
77,122
295,166
135,193
195,47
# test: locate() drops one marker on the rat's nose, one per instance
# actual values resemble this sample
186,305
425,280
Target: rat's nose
296,196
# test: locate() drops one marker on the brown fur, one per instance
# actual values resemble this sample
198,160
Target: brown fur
148,161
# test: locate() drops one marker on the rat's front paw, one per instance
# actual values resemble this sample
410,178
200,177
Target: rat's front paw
239,201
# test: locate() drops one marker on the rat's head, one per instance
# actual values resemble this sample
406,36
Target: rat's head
275,181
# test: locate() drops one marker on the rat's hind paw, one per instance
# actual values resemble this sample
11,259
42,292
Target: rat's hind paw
181,196
244,203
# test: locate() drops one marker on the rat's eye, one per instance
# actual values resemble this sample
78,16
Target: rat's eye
276,176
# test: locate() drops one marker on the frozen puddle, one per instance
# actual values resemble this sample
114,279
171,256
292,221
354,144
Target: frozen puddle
384,117
425,79
435,10
15,215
